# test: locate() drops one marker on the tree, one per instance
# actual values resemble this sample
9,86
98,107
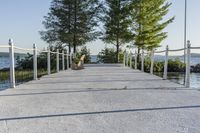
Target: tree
71,22
148,22
116,24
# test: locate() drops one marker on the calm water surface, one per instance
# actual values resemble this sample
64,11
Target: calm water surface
179,78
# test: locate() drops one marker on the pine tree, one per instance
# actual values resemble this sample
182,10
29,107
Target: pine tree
147,22
116,24
71,22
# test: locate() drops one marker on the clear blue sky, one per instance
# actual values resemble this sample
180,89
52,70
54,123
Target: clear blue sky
22,19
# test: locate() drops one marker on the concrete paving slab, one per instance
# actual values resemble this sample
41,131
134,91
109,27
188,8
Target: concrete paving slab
100,99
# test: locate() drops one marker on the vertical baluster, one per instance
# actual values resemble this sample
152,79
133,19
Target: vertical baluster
124,59
35,61
166,63
57,61
152,62
67,60
63,60
130,60
142,61
136,59
12,64
187,80
49,61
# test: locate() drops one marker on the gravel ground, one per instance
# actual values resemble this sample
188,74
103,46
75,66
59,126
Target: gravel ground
100,99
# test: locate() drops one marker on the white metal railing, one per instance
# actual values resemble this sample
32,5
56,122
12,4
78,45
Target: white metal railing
129,58
65,57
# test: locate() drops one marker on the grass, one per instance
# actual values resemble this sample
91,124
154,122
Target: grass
21,76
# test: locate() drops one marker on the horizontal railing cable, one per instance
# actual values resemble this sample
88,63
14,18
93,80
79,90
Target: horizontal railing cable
195,47
24,49
176,50
4,46
157,52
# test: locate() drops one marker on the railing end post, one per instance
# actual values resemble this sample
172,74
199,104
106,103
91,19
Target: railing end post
57,62
12,63
187,78
35,61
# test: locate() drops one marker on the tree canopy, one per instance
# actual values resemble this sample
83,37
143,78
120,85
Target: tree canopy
116,24
71,22
76,22
148,22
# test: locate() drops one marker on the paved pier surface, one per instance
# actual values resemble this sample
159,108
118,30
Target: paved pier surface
100,99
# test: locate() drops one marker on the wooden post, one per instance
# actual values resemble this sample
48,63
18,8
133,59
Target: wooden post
67,61
49,61
124,60
152,62
63,60
142,61
12,64
187,78
130,60
35,61
71,59
166,63
135,59
57,61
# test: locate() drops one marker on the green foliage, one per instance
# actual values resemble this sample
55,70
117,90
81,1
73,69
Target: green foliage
148,22
196,68
86,52
108,55
27,62
71,22
173,65
176,66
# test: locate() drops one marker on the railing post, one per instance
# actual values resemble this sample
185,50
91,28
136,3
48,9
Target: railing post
142,61
35,61
12,64
166,63
135,59
124,60
71,59
63,60
187,78
130,60
67,61
57,61
49,61
152,61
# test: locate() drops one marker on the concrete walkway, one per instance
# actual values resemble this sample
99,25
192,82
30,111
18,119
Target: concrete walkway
100,99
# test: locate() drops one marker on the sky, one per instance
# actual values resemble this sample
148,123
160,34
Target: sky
21,20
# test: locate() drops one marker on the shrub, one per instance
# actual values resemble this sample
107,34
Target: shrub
108,55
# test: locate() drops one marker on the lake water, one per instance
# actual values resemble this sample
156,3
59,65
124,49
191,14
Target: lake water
179,78
4,62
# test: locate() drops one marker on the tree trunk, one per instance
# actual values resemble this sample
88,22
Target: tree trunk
69,53
69,18
69,48
117,53
75,26
138,56
118,25
74,44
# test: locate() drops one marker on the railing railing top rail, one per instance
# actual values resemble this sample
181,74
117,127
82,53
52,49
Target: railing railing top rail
4,46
